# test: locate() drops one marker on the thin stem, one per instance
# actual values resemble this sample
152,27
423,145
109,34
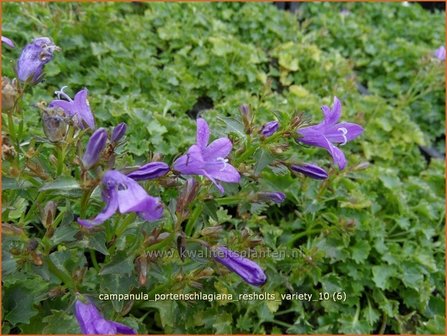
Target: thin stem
93,258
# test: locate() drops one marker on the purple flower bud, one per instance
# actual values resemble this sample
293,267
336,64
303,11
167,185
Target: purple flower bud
245,110
149,171
248,270
310,170
8,42
269,128
118,132
95,146
440,53
277,197
92,322
33,59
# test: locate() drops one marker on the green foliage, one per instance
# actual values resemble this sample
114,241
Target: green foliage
374,231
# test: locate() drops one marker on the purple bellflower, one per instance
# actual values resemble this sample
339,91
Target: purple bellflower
247,269
208,160
125,195
276,197
8,42
330,131
33,59
95,146
310,170
149,171
440,53
269,128
118,132
78,108
92,322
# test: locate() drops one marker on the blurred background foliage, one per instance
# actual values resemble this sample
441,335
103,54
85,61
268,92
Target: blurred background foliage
374,230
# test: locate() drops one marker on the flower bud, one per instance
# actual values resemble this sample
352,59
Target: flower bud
149,171
95,146
141,266
310,170
8,42
247,269
54,122
48,214
276,197
33,59
118,132
269,128
440,53
9,94
188,194
181,245
246,116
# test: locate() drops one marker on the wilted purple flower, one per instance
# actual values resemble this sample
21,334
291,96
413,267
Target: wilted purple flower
277,197
310,170
208,160
95,146
78,108
440,53
149,171
247,269
8,42
92,322
118,132
329,131
269,128
33,59
125,195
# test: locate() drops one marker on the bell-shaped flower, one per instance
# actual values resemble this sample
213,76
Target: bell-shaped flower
269,128
270,196
310,170
8,42
440,53
330,131
149,171
78,108
208,159
123,194
33,59
118,132
95,146
92,322
247,269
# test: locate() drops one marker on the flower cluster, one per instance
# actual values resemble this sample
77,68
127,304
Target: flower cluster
205,164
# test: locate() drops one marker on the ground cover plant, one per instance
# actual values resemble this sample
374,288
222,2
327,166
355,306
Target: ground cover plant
152,150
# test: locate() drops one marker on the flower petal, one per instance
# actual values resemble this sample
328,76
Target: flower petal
312,136
104,327
222,171
131,196
190,163
203,133
123,329
111,199
337,154
87,315
63,104
217,184
343,132
82,108
153,209
218,148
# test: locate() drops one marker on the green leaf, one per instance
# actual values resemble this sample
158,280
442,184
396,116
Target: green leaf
18,304
382,274
121,263
62,186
